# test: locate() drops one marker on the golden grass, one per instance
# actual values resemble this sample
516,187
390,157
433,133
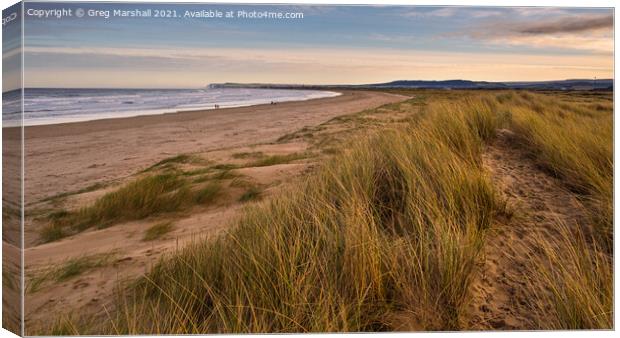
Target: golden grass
575,143
393,226
387,235
276,159
571,287
136,200
144,197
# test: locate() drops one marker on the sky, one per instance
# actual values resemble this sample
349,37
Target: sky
330,45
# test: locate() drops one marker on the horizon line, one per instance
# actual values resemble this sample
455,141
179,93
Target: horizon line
314,85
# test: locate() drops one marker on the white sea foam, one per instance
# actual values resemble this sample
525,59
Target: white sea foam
52,106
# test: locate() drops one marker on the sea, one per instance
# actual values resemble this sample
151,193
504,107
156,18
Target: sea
52,106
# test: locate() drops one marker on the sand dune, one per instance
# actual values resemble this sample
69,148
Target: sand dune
69,157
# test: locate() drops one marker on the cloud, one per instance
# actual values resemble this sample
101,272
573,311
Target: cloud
570,25
585,33
538,11
450,12
485,13
506,13
443,12
534,18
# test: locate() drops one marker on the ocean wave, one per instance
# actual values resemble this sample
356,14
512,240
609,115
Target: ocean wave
51,106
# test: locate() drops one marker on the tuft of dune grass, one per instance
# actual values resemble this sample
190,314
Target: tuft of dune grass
252,193
92,187
252,154
225,175
136,200
68,269
208,193
148,196
157,231
277,159
571,287
168,163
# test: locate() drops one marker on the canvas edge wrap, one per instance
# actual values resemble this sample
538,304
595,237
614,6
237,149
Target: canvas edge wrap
12,173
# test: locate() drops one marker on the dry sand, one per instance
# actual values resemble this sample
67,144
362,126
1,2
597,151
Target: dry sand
499,300
69,157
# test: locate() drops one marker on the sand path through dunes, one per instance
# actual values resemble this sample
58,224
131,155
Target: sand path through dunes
69,157
539,202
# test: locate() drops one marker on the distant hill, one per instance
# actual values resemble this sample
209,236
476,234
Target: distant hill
578,84
573,84
447,84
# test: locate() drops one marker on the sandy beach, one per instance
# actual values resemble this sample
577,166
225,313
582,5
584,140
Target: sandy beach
65,158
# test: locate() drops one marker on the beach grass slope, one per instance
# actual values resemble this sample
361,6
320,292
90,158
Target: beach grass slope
389,234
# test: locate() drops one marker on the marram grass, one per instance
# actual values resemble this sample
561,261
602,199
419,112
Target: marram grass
387,235
393,227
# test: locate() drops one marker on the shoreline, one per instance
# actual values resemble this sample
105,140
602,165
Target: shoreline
163,111
126,122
